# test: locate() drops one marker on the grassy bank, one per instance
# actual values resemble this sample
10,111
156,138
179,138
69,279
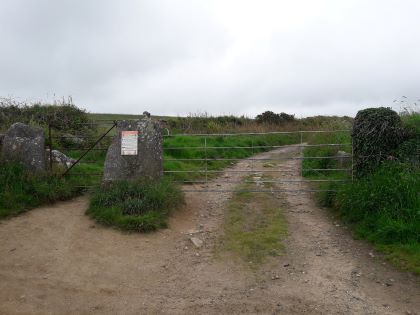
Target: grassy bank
20,191
254,226
382,207
139,206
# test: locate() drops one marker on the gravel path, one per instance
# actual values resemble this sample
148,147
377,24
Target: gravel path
55,260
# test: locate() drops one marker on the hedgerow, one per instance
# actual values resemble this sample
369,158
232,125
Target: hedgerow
376,134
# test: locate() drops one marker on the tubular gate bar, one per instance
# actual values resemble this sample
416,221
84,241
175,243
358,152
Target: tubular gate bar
204,171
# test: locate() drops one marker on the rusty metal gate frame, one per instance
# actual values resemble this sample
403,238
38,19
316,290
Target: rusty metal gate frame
92,145
302,146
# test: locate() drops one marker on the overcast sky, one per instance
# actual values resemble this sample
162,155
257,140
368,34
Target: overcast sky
174,57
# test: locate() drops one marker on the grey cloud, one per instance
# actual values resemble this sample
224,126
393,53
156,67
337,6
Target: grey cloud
176,57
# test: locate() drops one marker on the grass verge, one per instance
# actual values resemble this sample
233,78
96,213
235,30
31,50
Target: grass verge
21,191
254,226
139,206
383,207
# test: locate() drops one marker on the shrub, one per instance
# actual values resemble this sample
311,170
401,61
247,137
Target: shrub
268,117
63,116
376,134
141,206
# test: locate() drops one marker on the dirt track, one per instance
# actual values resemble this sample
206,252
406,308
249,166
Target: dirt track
55,260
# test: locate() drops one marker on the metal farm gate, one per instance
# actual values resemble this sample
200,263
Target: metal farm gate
205,162
220,162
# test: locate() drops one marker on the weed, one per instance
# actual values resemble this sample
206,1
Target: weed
140,206
20,190
254,226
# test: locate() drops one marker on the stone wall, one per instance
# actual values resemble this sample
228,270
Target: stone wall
26,145
149,159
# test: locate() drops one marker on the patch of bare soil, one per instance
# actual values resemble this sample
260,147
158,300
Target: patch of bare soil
55,260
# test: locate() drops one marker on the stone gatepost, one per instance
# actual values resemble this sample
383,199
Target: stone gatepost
25,145
136,151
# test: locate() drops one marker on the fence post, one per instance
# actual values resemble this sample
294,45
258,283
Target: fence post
253,154
301,153
50,145
352,160
205,156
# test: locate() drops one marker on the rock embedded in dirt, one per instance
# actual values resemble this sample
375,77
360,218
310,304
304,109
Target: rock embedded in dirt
26,145
148,162
196,241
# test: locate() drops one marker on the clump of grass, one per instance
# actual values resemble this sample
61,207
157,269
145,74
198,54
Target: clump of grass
385,205
384,208
254,226
21,190
141,206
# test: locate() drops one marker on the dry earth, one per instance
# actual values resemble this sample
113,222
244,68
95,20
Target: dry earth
55,260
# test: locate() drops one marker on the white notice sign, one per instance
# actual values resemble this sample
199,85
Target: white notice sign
129,142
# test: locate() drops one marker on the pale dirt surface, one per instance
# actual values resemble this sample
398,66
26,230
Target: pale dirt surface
55,260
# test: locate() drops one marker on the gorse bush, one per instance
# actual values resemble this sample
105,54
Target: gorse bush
268,117
141,206
376,134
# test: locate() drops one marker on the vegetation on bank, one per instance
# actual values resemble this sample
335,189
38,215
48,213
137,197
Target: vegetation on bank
140,206
20,190
382,204
384,208
62,116
205,123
